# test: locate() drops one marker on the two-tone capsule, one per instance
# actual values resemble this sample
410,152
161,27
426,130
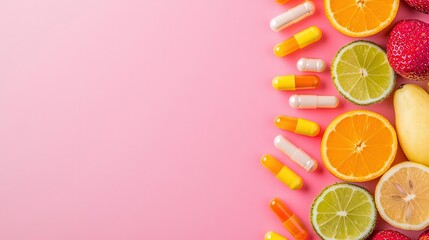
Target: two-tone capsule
289,220
283,173
297,125
271,235
296,82
298,41
313,101
311,65
295,154
292,16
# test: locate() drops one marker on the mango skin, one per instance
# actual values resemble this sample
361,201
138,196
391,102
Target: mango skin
411,104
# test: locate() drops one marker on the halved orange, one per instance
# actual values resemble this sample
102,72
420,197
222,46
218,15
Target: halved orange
360,18
359,146
402,196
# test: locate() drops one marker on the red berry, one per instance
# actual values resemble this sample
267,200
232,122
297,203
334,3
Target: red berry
389,235
408,49
424,235
419,5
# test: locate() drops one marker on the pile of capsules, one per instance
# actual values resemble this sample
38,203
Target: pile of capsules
297,125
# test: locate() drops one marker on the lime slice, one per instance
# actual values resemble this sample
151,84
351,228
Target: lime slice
362,74
343,211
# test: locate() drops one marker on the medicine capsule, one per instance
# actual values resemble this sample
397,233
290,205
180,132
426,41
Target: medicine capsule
297,125
298,41
294,82
282,1
283,173
313,101
295,154
311,65
274,236
292,16
290,221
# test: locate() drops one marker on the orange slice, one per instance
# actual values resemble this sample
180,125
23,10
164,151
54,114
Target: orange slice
402,196
360,18
359,146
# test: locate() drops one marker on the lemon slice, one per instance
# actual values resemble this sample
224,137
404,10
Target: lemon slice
344,211
362,74
402,196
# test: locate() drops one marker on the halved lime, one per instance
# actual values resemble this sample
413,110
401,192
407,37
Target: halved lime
362,74
344,211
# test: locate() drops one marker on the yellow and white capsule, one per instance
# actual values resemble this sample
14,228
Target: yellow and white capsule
298,41
274,236
311,65
313,101
292,16
295,154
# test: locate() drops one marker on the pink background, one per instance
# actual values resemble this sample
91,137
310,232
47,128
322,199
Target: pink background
131,119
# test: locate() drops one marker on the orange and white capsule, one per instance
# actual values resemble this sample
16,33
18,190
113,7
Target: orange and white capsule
283,173
313,101
295,154
298,41
296,82
290,221
271,235
297,125
311,65
292,16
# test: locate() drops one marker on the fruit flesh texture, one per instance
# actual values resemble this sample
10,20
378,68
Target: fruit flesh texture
408,49
345,212
360,146
403,198
362,73
419,5
361,18
412,122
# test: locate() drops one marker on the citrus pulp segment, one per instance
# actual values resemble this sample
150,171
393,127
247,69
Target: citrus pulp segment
362,74
402,196
359,146
343,211
360,18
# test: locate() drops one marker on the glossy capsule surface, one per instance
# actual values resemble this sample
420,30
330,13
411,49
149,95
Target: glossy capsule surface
297,125
292,16
283,173
296,82
282,1
313,101
290,221
311,65
298,41
295,154
274,236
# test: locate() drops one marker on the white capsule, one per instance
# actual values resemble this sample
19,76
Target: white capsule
295,154
292,16
311,65
313,101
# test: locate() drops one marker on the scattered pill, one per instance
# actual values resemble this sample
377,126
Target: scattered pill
292,16
282,1
274,236
298,41
313,101
311,65
290,221
294,82
295,154
283,173
297,125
